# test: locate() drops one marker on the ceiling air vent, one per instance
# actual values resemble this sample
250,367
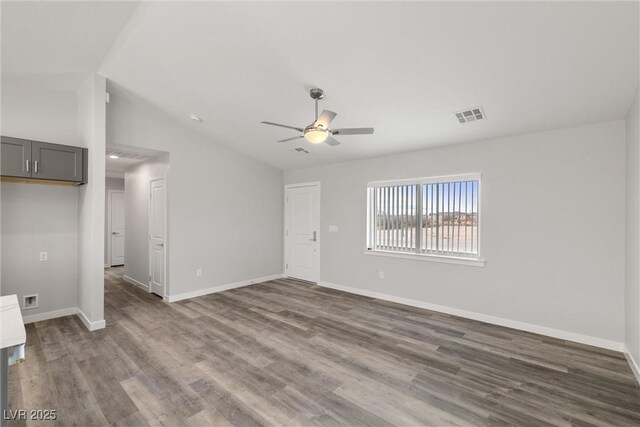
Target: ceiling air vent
470,115
301,150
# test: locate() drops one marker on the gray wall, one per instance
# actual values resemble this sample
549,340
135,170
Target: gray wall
632,251
552,229
40,218
225,208
110,184
136,241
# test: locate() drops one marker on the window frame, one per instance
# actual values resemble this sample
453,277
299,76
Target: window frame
446,258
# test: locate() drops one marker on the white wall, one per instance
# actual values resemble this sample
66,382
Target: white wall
632,233
49,108
136,242
40,218
110,184
225,208
552,230
91,119
41,108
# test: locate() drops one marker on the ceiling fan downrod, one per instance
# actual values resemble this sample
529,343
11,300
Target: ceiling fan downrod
316,94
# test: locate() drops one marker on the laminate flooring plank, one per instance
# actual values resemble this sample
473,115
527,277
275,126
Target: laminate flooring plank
150,401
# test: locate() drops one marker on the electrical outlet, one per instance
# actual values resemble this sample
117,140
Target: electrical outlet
199,272
381,274
44,256
30,301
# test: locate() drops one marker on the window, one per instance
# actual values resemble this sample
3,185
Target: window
427,216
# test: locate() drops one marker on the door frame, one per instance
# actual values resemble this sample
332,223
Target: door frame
166,236
287,187
109,231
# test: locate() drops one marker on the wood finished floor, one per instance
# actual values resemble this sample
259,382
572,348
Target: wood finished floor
289,353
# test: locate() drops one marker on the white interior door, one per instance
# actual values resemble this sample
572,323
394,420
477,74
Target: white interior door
116,204
302,232
157,230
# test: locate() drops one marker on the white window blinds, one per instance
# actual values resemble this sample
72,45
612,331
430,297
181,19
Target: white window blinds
429,216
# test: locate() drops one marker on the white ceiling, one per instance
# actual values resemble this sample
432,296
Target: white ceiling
127,156
400,67
47,37
120,164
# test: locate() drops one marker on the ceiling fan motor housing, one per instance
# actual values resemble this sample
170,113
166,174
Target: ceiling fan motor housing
316,93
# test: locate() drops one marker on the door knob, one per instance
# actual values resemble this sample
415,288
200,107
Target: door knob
114,233
314,237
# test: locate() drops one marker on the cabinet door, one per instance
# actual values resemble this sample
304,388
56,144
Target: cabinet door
16,157
56,162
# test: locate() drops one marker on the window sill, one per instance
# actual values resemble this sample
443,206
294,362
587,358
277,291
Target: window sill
433,258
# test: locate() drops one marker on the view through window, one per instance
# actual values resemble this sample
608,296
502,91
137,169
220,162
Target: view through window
429,216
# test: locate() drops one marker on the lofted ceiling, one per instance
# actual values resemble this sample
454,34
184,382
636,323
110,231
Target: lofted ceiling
65,38
403,68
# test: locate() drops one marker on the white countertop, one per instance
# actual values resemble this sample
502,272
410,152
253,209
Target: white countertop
11,325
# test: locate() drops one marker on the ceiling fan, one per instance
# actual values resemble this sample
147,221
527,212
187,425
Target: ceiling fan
318,131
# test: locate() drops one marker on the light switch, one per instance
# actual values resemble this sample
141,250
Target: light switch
44,256
333,228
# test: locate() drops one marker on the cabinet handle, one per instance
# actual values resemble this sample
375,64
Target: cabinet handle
27,165
35,166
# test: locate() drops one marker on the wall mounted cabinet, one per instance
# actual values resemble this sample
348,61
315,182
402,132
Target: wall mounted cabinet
16,157
34,161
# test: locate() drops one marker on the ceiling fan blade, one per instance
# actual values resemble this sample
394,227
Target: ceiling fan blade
352,131
325,118
283,126
332,142
291,139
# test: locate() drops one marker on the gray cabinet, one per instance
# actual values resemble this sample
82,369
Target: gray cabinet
38,160
56,162
16,157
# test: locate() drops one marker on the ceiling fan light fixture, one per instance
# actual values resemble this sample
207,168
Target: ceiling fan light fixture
316,135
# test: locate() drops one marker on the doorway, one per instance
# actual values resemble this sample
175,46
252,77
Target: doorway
302,231
157,233
141,209
116,230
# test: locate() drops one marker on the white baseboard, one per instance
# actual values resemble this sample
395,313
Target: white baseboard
635,366
49,315
106,265
92,326
134,282
201,292
528,327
